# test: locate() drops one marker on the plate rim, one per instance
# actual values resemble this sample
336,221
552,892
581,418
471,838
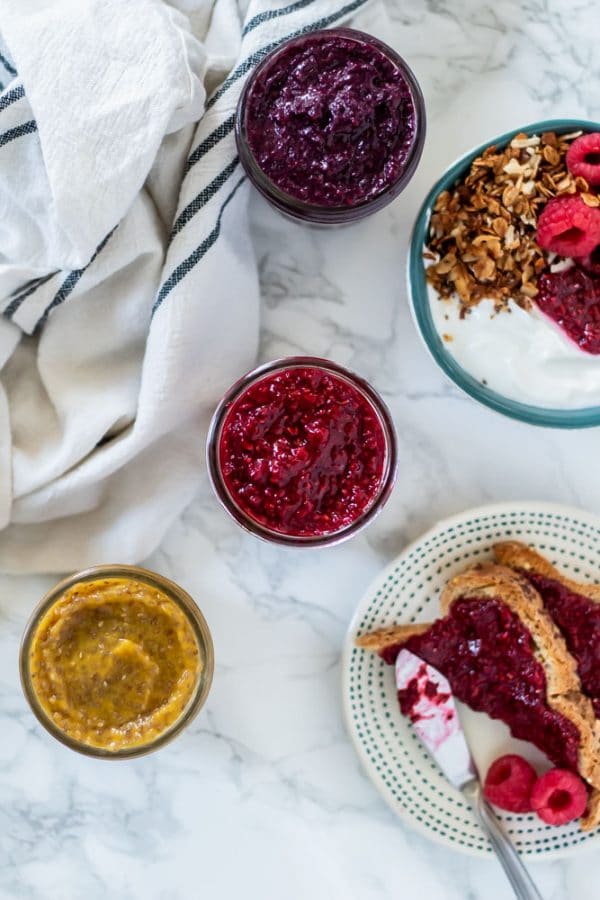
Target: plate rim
534,506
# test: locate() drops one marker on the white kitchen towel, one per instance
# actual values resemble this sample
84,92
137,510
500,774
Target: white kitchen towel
128,288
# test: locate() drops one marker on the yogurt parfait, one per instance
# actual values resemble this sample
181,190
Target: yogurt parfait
512,259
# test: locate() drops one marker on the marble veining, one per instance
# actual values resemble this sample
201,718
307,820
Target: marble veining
263,796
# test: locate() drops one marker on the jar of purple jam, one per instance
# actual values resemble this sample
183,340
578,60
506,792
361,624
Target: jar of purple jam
302,452
330,126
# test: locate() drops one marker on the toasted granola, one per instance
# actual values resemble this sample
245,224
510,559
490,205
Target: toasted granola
482,235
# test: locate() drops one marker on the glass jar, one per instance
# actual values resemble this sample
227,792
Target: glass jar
351,209
375,409
194,618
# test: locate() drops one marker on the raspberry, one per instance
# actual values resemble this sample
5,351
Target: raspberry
508,783
583,157
568,227
559,796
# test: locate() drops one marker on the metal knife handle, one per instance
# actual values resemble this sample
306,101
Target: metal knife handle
516,872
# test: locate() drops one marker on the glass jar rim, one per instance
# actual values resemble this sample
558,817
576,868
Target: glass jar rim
312,212
263,532
193,615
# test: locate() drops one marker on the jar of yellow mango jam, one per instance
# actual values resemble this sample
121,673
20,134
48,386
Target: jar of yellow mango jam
116,661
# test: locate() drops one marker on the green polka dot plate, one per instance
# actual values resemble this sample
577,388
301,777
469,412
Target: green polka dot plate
408,591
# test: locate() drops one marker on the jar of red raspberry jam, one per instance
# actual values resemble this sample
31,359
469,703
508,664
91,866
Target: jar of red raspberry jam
302,452
330,126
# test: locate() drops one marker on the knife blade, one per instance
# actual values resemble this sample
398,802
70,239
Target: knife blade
426,698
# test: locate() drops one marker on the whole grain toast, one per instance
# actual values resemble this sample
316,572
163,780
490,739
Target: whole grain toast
550,650
563,688
489,580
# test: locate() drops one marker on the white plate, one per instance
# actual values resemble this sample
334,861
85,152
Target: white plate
408,591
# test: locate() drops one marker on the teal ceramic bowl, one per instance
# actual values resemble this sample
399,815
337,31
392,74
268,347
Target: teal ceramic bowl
417,289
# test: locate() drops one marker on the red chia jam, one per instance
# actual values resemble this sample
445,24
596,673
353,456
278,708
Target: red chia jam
571,298
486,654
302,452
332,120
578,618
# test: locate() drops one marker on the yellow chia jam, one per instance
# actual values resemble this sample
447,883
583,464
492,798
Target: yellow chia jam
114,662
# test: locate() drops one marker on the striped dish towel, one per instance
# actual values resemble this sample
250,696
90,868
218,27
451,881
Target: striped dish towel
128,288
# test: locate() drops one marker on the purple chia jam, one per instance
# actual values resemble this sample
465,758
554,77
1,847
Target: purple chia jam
331,121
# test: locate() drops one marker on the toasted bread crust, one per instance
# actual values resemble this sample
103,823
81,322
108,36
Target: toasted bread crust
563,686
497,582
376,641
519,556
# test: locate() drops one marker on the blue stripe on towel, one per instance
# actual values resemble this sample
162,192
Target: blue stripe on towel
27,292
17,132
12,96
269,14
7,65
209,142
70,281
203,197
194,258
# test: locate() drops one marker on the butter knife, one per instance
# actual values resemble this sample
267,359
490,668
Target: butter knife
426,698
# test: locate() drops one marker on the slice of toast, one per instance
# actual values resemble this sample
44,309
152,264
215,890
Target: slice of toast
563,689
563,692
497,582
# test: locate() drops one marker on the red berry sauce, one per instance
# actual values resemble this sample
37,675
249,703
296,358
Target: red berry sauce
486,654
572,299
302,452
579,620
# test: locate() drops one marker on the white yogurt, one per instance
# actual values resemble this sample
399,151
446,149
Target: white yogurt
520,354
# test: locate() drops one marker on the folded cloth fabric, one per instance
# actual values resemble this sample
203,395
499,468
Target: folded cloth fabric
128,288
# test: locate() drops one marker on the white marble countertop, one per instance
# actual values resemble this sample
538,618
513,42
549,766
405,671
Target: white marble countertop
263,796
